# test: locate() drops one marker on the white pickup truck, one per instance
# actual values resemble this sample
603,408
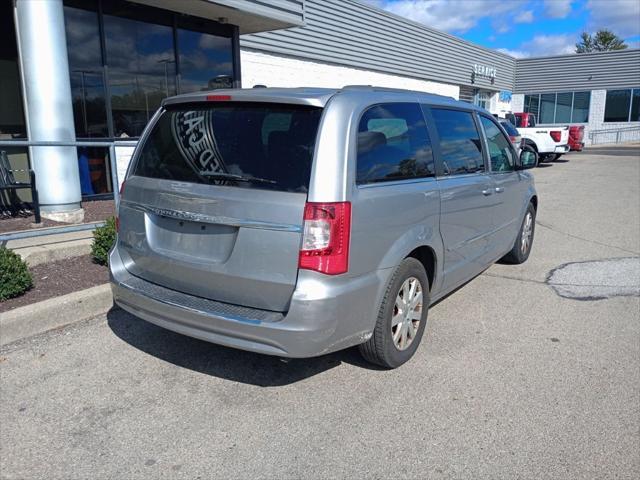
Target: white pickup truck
549,142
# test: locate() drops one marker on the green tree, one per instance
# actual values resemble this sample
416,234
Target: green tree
602,41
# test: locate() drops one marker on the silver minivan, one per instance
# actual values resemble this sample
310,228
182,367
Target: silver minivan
297,222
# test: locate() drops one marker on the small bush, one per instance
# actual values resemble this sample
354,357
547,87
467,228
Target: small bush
15,278
103,239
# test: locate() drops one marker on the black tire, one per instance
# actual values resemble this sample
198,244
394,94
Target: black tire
380,348
518,254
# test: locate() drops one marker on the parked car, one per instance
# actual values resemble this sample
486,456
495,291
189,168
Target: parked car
576,137
297,222
550,143
512,132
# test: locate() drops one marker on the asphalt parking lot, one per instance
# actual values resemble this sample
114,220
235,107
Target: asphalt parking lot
513,379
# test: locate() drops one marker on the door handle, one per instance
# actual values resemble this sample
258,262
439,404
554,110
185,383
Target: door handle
486,192
499,189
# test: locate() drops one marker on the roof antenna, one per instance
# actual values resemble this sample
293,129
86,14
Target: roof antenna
259,86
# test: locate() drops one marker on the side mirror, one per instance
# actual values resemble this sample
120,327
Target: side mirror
528,158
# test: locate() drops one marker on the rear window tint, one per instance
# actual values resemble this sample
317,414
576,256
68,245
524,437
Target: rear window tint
393,144
267,146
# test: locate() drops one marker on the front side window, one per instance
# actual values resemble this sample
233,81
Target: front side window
459,141
249,145
499,147
393,144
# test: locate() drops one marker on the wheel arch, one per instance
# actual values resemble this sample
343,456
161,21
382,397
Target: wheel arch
426,255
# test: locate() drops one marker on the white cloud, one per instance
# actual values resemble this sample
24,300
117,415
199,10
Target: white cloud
514,53
456,16
526,16
622,17
557,8
542,45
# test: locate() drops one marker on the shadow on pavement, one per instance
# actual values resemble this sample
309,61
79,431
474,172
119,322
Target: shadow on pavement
544,165
219,361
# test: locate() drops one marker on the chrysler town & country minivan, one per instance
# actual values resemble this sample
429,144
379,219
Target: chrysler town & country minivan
297,222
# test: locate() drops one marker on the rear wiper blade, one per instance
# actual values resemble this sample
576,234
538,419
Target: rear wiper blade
236,177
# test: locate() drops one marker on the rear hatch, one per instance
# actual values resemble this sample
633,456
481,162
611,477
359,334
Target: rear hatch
213,205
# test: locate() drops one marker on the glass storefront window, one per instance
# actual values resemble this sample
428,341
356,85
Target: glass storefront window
206,61
85,70
12,124
617,106
141,64
547,107
635,105
563,107
142,71
622,106
581,102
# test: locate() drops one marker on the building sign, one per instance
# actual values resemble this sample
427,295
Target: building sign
505,96
483,71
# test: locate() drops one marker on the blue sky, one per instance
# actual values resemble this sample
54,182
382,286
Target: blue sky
523,28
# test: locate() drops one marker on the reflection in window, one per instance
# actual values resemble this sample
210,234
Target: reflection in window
635,105
85,69
393,144
547,107
142,71
459,141
500,151
206,61
11,116
563,107
581,107
622,106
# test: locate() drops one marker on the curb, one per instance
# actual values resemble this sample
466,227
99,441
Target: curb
50,253
54,313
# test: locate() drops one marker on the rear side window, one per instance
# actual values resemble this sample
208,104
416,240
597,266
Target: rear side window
460,144
393,144
247,145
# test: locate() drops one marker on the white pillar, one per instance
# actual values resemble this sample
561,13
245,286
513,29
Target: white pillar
48,105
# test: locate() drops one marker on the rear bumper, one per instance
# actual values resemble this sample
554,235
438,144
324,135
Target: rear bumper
561,149
326,313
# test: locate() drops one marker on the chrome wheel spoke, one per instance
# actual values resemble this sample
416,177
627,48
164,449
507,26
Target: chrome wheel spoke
407,313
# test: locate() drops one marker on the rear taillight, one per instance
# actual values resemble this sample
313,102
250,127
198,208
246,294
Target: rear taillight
325,238
513,138
556,135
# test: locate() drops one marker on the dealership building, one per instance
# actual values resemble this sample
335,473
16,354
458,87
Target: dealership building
94,71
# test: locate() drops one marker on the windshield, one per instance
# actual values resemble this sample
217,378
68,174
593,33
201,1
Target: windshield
248,145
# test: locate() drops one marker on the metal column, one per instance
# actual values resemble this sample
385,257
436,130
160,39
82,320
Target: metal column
48,105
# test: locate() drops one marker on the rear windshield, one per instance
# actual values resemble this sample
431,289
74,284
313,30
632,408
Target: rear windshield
250,145
511,130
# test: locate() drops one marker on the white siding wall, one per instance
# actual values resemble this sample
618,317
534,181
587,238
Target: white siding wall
283,71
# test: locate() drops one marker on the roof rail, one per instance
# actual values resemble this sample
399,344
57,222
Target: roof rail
373,88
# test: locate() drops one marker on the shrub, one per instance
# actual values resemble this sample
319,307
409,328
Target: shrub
15,278
103,239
